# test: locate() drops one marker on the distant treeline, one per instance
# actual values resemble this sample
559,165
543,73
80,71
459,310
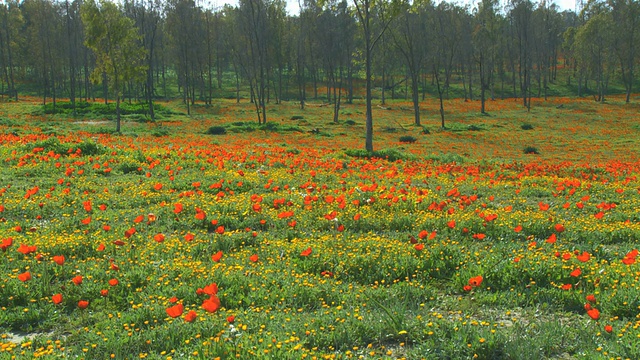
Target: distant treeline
150,49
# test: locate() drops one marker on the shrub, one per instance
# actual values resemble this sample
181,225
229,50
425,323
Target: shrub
474,128
297,117
350,122
388,154
407,139
160,131
531,150
217,130
526,127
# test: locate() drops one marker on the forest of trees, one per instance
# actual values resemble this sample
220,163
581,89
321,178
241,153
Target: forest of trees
156,49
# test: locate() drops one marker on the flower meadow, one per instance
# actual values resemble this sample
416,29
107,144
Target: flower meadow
282,247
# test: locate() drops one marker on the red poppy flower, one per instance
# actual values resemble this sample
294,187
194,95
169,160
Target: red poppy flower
567,287
559,228
543,206
231,319
159,237
211,289
591,298
575,273
106,228
129,233
173,300
157,187
57,299
189,237
77,280
201,215
190,316
175,310
518,228
25,276
467,288
211,304
83,304
58,259
6,243
113,282
552,239
102,207
566,256
478,236
254,258
26,249
104,293
217,256
608,328
101,247
220,230
177,208
285,214
476,281
418,247
584,257
594,314
599,215
86,221
306,252
451,224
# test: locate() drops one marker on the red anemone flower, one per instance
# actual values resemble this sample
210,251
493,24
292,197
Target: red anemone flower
175,310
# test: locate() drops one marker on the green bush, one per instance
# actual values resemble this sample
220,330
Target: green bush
531,150
216,130
86,147
407,139
526,127
388,154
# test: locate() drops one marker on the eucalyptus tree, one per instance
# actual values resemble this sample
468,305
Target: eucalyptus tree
184,27
43,24
372,31
115,42
11,23
336,28
486,35
626,27
73,32
147,15
448,26
594,47
520,14
253,36
410,35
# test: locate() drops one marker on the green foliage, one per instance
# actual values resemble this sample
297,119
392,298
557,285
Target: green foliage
99,109
387,154
531,150
86,147
526,126
216,130
407,139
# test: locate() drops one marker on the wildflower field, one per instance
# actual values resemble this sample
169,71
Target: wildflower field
280,242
